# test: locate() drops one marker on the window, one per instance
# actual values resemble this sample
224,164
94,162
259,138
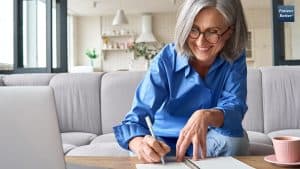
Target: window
6,34
286,35
34,34
34,38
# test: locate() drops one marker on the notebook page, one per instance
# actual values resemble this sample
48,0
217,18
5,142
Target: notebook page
168,165
221,163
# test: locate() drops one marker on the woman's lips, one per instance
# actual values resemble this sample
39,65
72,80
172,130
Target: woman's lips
203,49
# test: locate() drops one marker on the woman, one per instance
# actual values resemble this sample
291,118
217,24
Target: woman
195,91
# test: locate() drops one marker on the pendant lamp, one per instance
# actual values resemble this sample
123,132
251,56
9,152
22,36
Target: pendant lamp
120,18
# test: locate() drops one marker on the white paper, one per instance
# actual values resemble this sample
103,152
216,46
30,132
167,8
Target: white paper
208,163
168,165
221,163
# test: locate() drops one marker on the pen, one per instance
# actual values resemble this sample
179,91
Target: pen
190,164
149,124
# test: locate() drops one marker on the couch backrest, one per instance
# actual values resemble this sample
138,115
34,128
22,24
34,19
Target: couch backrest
281,97
117,90
77,98
40,79
253,119
273,98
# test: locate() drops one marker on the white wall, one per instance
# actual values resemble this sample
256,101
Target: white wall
260,24
164,26
87,36
295,33
89,30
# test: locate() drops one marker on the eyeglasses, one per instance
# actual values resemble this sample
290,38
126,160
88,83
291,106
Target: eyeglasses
211,35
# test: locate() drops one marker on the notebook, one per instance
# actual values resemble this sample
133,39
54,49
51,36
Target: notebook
208,163
30,137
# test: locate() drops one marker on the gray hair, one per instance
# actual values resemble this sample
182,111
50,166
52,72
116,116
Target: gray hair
233,13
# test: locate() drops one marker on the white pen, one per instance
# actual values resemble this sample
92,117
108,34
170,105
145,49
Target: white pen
149,124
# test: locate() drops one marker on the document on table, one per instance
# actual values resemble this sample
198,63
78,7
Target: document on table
208,163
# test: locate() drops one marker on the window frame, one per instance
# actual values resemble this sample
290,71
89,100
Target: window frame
279,38
61,27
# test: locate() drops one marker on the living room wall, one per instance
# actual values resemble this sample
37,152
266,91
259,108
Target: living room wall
89,29
259,23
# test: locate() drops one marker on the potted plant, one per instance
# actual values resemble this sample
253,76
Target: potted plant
144,51
91,55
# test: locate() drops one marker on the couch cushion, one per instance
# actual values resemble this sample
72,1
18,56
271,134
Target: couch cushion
77,138
99,149
40,79
253,119
257,137
68,147
260,143
77,97
105,138
288,132
117,90
260,149
281,97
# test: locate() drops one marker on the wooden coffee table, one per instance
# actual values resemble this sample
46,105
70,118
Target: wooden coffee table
129,162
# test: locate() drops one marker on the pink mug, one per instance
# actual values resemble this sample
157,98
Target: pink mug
287,149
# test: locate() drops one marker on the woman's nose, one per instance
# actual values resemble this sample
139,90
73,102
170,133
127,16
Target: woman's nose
200,40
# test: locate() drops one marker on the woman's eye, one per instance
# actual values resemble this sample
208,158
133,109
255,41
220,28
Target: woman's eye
213,31
194,30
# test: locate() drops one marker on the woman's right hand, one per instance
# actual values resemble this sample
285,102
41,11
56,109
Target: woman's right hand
148,149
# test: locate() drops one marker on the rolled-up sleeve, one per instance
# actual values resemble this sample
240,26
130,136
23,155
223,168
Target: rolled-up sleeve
148,98
233,98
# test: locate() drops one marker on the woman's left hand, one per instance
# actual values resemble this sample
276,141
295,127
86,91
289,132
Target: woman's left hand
193,132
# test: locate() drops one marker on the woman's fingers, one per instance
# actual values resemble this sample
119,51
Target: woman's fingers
159,147
203,143
152,150
165,146
182,145
146,154
178,144
150,154
193,132
196,146
148,149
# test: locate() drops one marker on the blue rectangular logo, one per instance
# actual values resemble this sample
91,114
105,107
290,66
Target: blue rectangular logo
286,13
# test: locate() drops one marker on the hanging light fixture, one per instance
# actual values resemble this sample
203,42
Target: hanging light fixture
120,18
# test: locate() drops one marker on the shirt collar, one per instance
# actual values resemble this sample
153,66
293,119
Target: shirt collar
217,63
182,62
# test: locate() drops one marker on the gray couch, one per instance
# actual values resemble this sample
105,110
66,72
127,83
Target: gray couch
89,104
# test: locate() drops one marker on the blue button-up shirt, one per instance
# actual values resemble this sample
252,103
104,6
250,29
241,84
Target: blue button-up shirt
172,91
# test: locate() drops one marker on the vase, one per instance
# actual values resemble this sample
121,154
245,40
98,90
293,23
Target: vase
92,62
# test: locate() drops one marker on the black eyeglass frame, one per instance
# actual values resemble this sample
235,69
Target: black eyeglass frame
204,35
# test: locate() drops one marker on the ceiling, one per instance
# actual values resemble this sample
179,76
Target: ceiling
109,7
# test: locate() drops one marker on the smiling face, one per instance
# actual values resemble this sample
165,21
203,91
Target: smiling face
204,48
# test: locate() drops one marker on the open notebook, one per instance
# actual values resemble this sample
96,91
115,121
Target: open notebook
209,163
